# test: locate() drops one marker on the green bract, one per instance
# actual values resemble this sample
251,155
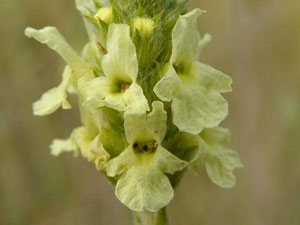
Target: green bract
193,88
142,56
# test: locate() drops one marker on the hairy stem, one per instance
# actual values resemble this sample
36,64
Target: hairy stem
148,218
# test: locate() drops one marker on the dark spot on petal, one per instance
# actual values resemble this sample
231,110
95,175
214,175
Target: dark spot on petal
135,145
125,86
179,68
145,147
119,86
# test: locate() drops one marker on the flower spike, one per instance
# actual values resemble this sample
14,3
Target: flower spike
148,107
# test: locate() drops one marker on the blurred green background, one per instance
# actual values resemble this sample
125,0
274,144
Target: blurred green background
257,42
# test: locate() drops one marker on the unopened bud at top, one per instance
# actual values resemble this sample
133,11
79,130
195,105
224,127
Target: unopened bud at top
105,14
144,25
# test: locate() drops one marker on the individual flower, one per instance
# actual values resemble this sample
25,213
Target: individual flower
219,161
56,97
117,89
143,184
85,139
194,88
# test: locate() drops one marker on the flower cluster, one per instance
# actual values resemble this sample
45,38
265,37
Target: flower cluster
149,108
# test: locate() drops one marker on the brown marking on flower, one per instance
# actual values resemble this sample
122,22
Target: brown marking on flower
102,47
125,86
145,147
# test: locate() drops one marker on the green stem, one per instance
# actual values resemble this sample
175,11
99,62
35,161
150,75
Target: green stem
148,218
162,217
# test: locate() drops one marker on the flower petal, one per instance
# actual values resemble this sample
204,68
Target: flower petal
195,108
198,159
168,162
54,98
83,138
218,159
98,93
121,60
102,156
92,118
135,100
142,127
59,146
216,136
203,42
185,39
92,54
51,37
94,91
90,146
212,78
50,102
115,101
220,163
168,84
143,184
119,165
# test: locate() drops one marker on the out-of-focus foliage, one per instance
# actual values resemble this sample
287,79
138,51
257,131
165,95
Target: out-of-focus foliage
256,42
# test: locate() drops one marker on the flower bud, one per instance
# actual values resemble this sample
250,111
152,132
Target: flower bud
144,25
105,14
